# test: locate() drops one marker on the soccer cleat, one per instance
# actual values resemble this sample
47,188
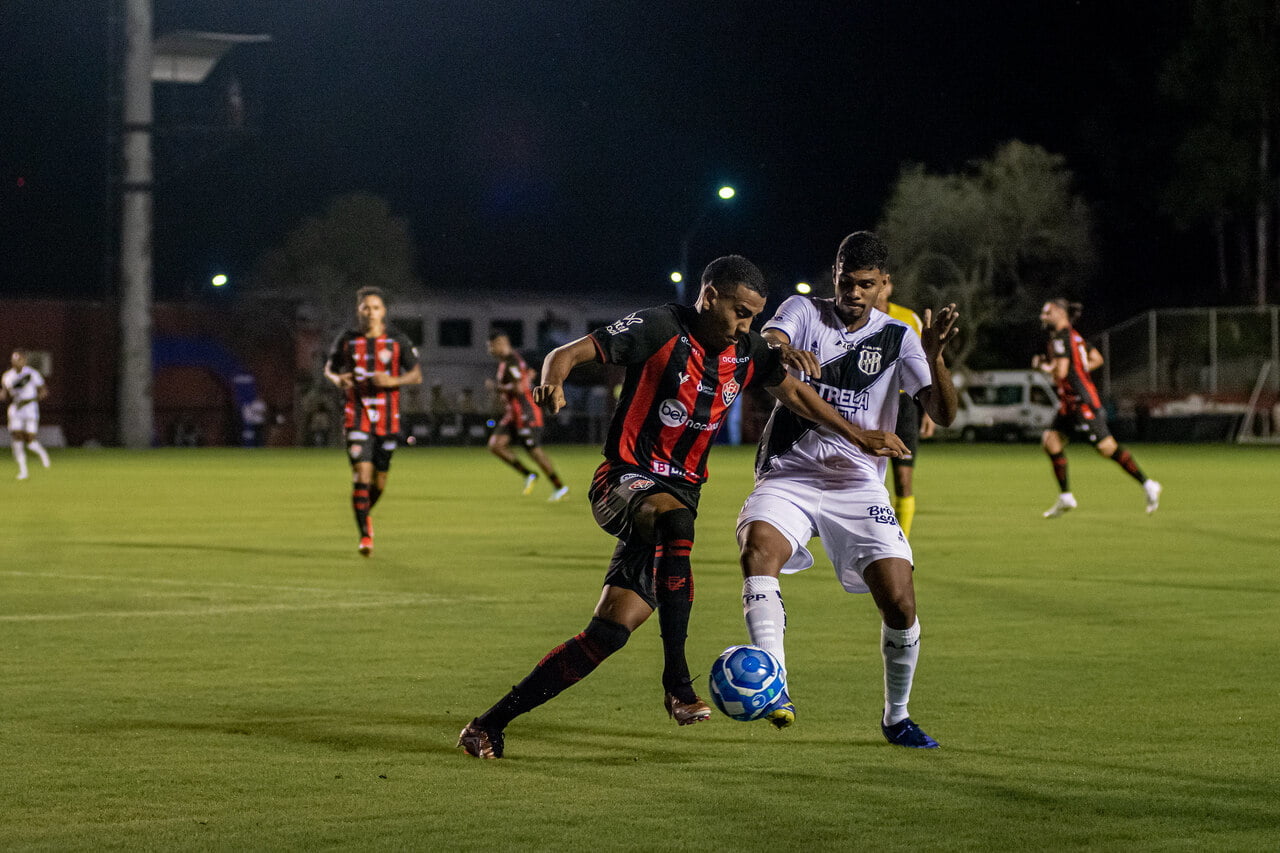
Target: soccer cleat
783,715
1153,490
558,494
528,484
22,475
686,713
366,546
480,742
1066,501
908,734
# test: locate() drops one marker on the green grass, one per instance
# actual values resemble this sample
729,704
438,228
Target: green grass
193,656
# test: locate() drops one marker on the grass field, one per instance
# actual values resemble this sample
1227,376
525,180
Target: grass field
193,656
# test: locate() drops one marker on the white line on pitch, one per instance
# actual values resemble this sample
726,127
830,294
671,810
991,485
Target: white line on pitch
185,582
222,611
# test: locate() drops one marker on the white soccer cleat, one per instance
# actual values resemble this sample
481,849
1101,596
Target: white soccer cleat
22,475
558,494
528,484
1066,501
1153,490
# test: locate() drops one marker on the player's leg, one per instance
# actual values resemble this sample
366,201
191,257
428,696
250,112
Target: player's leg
1110,448
33,443
907,429
18,446
500,446
361,482
618,612
763,552
891,585
559,489
1054,442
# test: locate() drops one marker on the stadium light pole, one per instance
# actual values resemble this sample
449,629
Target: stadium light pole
723,194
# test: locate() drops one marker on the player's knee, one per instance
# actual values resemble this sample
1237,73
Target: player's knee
607,635
674,525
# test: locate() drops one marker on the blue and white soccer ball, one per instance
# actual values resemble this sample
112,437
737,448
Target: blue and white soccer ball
747,682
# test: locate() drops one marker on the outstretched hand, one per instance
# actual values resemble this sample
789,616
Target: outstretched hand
877,442
799,359
550,397
939,330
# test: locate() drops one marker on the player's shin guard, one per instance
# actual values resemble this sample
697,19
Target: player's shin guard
360,505
1124,459
901,650
905,509
674,591
561,668
766,614
20,456
1059,461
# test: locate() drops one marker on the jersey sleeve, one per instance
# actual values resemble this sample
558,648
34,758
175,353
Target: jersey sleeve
913,375
769,369
339,360
635,337
1060,344
792,317
408,353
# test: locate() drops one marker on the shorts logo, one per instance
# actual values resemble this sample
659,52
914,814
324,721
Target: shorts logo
869,360
672,413
354,450
640,485
621,326
730,392
882,515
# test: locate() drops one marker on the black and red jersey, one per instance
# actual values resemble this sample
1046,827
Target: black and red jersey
516,387
1076,391
676,393
368,408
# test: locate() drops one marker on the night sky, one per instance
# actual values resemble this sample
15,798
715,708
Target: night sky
567,146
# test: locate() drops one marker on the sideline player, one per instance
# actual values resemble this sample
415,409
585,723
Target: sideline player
684,367
1069,360
24,388
371,364
812,483
521,418
913,423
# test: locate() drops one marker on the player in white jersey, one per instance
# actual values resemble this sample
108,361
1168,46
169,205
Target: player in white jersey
24,388
812,482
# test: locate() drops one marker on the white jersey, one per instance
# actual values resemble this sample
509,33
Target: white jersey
862,373
23,387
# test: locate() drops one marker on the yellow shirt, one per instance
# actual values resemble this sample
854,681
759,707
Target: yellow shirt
906,315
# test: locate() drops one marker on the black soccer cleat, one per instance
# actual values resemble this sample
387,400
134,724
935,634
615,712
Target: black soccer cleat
907,733
480,742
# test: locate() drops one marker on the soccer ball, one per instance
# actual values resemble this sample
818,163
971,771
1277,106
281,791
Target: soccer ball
747,682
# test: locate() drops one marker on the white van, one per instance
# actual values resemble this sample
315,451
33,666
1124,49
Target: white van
1006,405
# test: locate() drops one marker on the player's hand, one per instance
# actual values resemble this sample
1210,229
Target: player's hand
877,442
939,330
344,380
383,380
927,427
549,397
799,359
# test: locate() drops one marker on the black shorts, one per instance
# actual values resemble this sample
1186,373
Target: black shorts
529,436
1076,425
907,428
362,447
617,492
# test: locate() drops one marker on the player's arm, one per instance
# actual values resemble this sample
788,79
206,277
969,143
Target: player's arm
939,398
800,398
799,359
556,368
409,377
341,379
42,392
1093,360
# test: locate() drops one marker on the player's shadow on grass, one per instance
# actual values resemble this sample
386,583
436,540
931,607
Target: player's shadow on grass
206,547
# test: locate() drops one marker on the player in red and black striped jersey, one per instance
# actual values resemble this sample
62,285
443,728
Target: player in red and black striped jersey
684,368
1069,360
521,417
370,365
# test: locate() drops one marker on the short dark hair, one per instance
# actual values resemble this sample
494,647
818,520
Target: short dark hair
862,250
370,290
735,269
1073,309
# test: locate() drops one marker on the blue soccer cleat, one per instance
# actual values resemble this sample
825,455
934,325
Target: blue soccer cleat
906,733
782,716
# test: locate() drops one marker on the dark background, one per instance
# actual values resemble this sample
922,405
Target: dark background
567,146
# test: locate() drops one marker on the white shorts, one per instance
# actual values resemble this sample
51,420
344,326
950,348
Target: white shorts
24,418
856,524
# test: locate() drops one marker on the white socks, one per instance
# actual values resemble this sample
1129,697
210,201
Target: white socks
901,650
20,454
765,614
38,449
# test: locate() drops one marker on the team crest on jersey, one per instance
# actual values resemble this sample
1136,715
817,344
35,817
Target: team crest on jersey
384,356
869,359
638,485
620,326
730,392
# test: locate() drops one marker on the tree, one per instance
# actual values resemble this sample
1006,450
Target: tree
996,240
1225,76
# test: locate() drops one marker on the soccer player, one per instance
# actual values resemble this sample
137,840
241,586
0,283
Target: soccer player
24,388
1069,360
521,418
684,368
810,482
370,365
913,424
